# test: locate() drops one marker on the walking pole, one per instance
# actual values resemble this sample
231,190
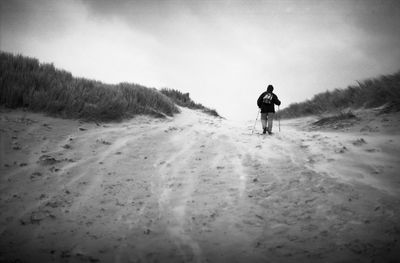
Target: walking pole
255,122
279,118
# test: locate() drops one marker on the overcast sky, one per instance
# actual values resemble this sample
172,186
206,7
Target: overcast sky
224,53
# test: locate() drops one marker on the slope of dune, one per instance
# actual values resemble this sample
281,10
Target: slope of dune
195,188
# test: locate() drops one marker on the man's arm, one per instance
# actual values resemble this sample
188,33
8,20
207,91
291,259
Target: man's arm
276,100
260,100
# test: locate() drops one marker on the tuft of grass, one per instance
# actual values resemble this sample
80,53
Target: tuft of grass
211,112
370,93
25,82
390,107
184,100
343,116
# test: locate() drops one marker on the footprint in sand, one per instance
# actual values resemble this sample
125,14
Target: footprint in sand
371,150
343,149
35,175
103,142
47,160
378,169
359,142
16,147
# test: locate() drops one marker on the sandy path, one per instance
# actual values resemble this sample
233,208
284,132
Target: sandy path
194,189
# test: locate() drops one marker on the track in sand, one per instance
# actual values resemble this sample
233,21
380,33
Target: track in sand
193,189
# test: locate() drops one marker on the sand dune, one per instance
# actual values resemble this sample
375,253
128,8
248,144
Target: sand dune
198,189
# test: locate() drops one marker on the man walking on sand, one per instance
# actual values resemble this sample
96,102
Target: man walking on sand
266,102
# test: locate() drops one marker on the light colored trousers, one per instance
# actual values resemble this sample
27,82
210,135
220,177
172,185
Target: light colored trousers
266,120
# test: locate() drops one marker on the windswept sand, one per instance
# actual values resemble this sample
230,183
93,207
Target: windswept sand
198,189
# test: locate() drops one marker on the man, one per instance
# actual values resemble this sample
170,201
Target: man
266,102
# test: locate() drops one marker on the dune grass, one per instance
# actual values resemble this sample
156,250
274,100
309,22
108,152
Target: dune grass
184,100
25,82
370,93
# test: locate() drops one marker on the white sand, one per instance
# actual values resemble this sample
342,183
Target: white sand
198,189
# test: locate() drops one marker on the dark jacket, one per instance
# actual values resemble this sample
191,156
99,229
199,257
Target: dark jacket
265,106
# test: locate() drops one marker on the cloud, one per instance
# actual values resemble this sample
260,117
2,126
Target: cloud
42,18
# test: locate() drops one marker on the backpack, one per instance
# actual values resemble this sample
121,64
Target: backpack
268,98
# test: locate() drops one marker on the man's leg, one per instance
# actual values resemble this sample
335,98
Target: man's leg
264,117
269,122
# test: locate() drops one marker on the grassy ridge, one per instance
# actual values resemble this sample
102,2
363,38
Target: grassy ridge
183,99
369,93
24,82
